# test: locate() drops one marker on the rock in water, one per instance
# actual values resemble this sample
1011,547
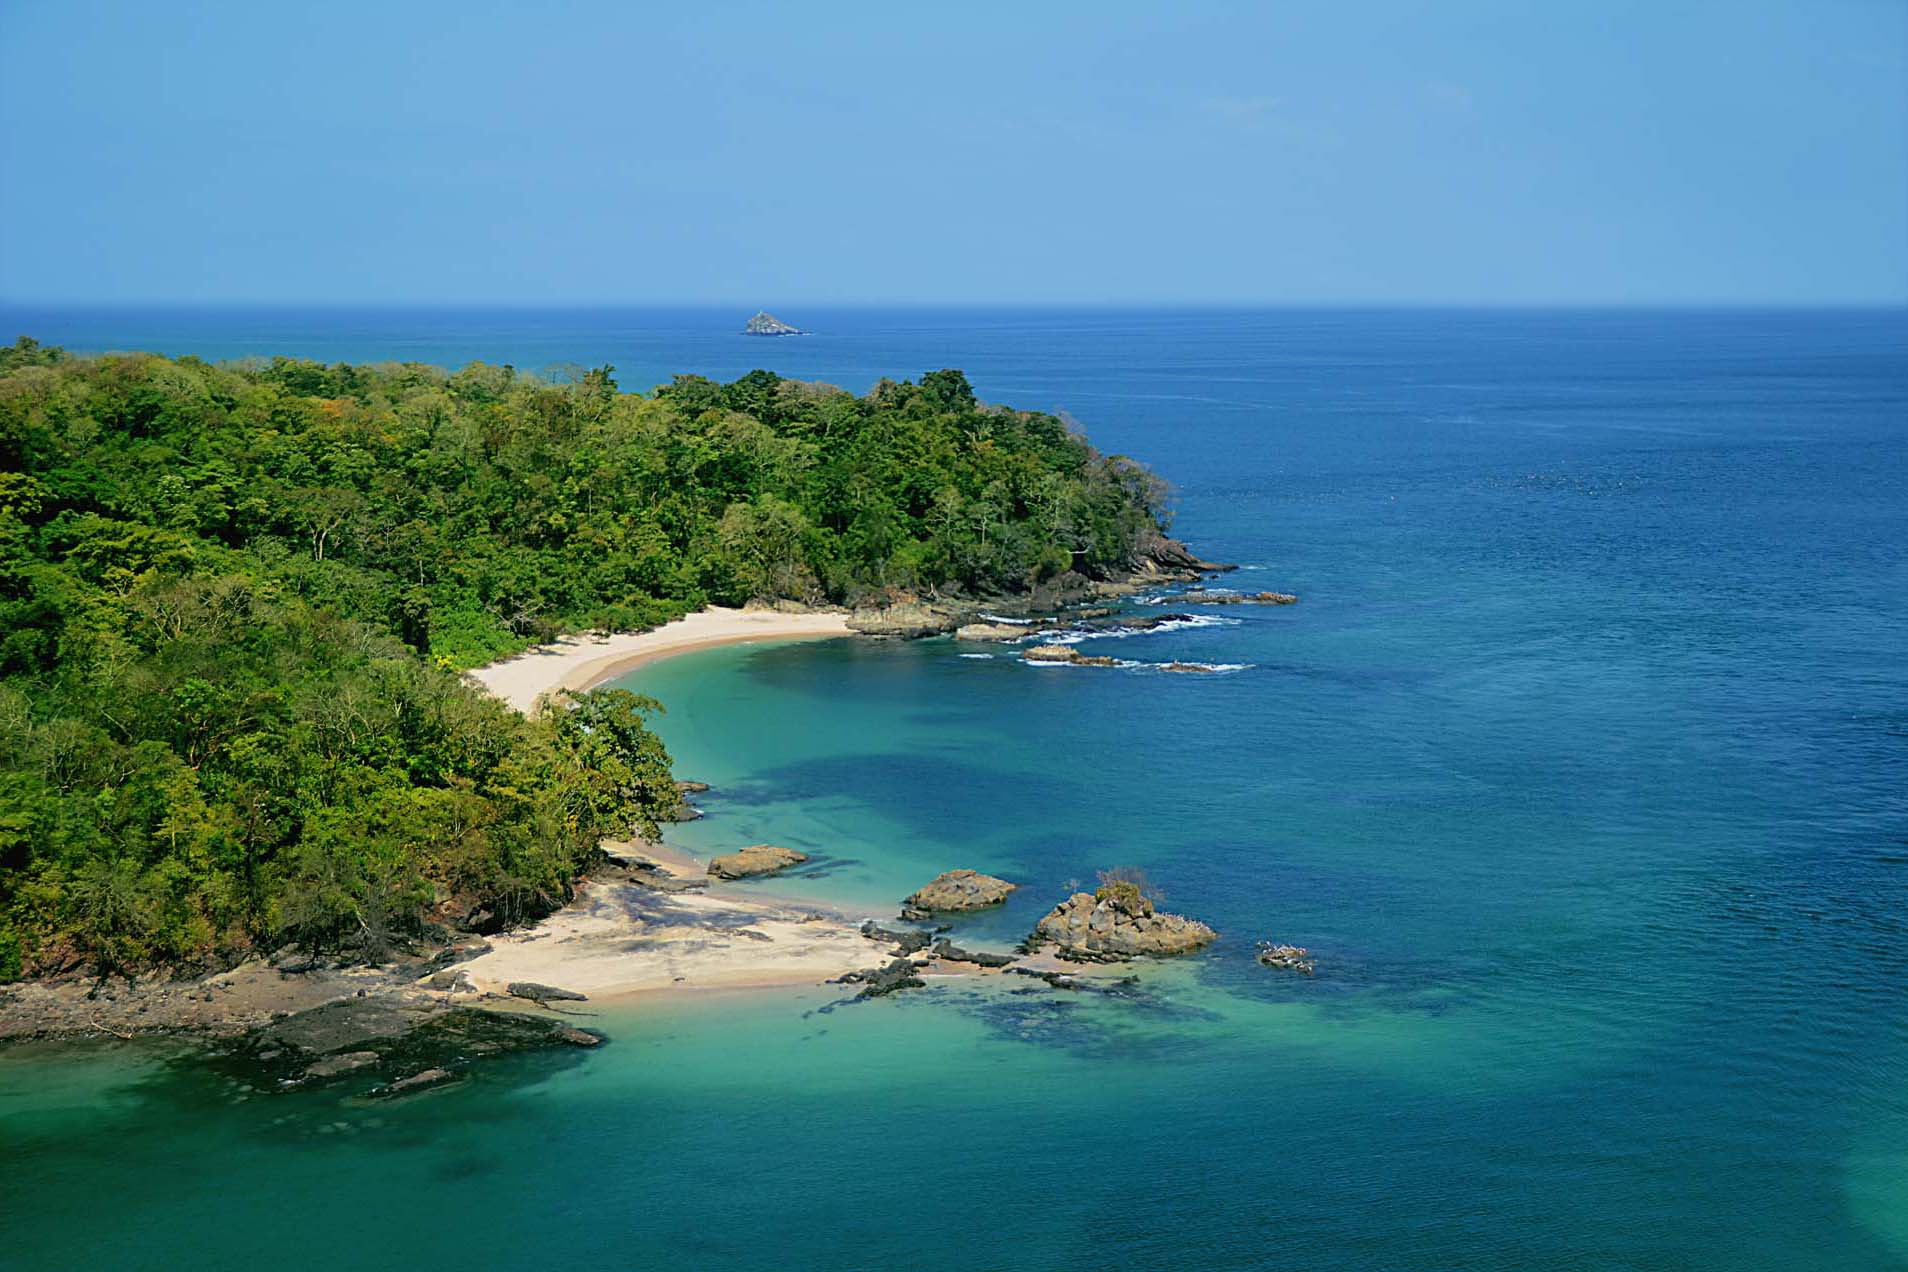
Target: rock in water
1067,654
1293,958
757,859
767,324
394,1037
1236,598
995,631
1118,923
345,1062
416,1082
878,982
955,890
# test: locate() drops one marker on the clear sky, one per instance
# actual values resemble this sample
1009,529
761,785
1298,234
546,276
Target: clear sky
1449,151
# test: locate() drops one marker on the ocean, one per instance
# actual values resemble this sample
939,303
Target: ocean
1581,767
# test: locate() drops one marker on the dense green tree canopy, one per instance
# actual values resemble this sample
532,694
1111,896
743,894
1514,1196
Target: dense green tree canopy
234,601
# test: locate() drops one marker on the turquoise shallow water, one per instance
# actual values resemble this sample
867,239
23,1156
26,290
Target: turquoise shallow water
1580,766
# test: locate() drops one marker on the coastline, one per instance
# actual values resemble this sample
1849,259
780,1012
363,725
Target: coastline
584,661
651,921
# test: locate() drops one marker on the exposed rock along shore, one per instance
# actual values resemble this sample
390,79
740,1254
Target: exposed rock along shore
757,859
1162,561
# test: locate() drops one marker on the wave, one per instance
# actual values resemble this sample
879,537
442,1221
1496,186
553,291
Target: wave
975,655
1011,622
1074,635
1131,663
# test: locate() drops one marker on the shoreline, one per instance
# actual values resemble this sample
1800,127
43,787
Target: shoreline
586,660
650,922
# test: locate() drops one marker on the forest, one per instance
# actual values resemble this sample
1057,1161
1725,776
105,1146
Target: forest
236,600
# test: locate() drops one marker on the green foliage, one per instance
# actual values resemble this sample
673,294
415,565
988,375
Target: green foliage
234,600
1130,887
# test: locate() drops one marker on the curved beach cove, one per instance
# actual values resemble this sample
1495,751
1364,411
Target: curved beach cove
1579,767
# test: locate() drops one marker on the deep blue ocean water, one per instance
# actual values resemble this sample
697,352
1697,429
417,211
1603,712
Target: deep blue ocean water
1581,765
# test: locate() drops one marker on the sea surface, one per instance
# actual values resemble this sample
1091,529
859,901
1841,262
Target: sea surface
1581,767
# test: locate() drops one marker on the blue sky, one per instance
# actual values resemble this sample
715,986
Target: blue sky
816,152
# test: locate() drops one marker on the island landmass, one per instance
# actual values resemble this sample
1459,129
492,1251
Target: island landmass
767,324
246,771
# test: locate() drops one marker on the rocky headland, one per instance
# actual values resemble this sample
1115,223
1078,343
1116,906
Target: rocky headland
1159,562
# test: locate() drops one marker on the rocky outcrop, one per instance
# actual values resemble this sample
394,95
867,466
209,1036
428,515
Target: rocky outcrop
767,324
1236,598
416,1082
997,631
691,788
955,890
403,1044
946,949
904,940
640,870
757,859
906,620
1291,958
1067,654
340,1064
1193,668
541,994
879,981
1166,555
1118,923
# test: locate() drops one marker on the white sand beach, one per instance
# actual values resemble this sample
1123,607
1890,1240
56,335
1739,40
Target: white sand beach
619,937
580,662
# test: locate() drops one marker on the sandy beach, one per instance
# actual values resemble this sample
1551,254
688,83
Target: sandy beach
580,662
621,937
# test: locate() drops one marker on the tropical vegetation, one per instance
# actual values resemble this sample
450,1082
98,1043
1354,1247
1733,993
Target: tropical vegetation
235,601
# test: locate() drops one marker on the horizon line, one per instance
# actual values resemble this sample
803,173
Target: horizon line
959,305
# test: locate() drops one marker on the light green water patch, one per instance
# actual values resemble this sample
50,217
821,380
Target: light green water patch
795,766
46,1085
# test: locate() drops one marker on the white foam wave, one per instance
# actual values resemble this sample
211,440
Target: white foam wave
1074,635
976,655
